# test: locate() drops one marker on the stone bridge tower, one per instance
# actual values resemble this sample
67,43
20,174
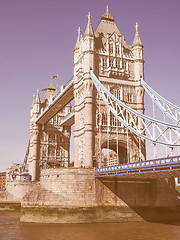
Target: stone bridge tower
119,67
49,143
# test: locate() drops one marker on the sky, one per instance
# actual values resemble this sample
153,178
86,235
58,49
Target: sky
37,38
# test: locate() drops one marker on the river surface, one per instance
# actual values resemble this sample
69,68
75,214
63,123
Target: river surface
12,229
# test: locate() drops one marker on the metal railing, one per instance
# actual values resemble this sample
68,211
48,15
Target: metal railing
155,165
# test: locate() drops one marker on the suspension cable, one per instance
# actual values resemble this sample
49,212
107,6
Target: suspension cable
127,146
127,140
100,122
165,132
140,157
176,114
170,136
108,126
154,131
117,144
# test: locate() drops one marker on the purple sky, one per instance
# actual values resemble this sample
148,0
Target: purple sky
37,38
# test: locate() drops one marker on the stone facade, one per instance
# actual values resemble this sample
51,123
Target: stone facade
49,144
75,196
64,188
119,67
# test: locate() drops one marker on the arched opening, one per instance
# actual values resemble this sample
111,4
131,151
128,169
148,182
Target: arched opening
113,155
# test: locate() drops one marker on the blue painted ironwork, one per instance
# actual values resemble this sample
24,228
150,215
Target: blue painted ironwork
168,108
138,123
149,166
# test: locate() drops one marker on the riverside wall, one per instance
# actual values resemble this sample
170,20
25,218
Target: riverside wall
74,195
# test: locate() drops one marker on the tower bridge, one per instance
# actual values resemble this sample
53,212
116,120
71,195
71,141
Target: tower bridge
108,90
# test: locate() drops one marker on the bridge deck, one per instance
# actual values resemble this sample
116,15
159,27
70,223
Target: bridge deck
158,168
58,103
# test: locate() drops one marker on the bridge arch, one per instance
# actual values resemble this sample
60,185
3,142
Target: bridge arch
119,153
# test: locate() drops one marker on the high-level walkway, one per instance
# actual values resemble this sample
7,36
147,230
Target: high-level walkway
62,99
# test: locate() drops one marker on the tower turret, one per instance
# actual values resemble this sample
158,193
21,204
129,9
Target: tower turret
34,135
78,39
84,94
137,49
137,40
37,103
32,106
88,46
89,30
76,48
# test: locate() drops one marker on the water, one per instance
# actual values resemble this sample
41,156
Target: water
12,229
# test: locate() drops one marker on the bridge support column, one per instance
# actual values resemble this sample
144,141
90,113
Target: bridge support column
35,154
84,136
89,123
89,150
67,154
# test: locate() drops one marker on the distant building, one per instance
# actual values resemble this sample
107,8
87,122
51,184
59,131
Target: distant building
17,173
110,159
2,181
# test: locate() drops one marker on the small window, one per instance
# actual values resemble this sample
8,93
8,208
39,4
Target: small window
111,48
111,62
117,49
104,62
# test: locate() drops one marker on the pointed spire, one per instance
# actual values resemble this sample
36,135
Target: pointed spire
89,16
37,100
78,39
137,27
107,16
34,96
79,32
33,101
89,30
137,39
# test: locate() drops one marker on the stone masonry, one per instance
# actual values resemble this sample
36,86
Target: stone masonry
119,67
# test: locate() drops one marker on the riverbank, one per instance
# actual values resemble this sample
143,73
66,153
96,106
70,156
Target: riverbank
104,214
77,196
100,214
12,228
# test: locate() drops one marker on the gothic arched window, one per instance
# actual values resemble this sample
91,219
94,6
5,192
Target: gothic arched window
51,151
104,62
111,48
117,49
51,138
104,119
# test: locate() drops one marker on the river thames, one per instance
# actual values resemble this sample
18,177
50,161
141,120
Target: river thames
12,229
